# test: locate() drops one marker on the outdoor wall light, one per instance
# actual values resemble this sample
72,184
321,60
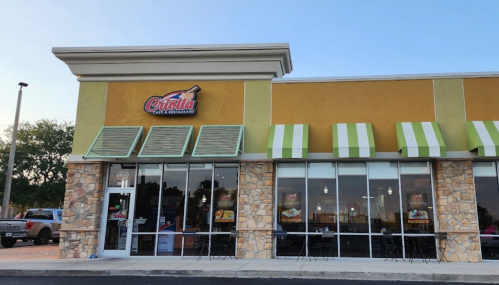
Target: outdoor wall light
325,190
390,191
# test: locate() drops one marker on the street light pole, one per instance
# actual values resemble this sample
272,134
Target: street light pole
10,168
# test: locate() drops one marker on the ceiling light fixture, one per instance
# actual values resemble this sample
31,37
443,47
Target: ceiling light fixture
326,190
390,191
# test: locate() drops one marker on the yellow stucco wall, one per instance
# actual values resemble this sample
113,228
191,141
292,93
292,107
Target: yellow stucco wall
219,103
258,94
89,115
382,103
482,99
450,113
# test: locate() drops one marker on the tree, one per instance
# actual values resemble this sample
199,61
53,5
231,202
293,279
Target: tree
39,175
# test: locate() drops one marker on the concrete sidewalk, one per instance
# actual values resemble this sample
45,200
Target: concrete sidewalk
349,269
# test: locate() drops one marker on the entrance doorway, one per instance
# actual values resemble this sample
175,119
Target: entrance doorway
117,223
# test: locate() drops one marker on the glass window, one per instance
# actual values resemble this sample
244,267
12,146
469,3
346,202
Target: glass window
384,197
199,197
353,199
414,168
291,170
322,170
172,209
487,198
290,204
354,246
225,199
122,175
147,198
484,169
417,203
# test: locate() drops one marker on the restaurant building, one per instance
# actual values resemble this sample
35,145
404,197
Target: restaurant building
211,139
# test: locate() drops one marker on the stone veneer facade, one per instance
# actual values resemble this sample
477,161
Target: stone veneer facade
82,210
456,209
255,209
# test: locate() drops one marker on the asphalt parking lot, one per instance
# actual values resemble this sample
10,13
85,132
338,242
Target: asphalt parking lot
27,250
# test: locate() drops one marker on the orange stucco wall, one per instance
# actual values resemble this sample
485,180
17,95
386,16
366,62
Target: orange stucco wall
481,98
382,103
219,103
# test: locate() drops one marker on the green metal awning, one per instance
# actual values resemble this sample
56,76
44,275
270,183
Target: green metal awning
353,140
166,141
218,141
484,136
420,139
288,141
115,142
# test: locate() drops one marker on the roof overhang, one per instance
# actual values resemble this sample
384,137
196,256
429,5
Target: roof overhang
190,62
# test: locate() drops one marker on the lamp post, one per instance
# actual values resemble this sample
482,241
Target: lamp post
10,167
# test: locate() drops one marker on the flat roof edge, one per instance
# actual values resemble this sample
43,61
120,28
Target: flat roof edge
214,47
388,77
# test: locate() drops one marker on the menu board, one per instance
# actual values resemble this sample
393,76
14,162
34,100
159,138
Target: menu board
291,208
417,204
225,208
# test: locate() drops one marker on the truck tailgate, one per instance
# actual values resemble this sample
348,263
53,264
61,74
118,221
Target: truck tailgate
12,225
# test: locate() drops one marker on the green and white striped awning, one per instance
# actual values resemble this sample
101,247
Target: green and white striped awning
484,136
420,139
353,140
166,141
288,141
115,142
218,141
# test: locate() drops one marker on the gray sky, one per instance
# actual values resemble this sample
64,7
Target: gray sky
327,38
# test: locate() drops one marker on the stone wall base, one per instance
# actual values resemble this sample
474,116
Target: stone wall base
81,244
255,244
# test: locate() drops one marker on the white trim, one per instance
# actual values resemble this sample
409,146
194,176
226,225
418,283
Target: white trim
196,62
263,156
431,139
297,145
489,148
343,149
388,77
363,140
277,144
410,140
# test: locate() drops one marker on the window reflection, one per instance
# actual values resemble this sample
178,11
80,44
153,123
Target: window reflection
352,191
122,175
487,197
417,203
322,205
225,199
385,205
199,198
291,204
147,198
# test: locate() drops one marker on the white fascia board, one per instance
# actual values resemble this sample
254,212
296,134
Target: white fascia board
387,77
151,62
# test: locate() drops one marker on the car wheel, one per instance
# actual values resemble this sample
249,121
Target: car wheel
43,237
55,240
8,242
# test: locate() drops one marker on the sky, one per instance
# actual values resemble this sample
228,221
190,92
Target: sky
327,38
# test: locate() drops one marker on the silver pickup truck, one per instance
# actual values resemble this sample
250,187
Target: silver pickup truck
39,225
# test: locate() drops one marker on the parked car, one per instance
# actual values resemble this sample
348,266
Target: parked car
39,225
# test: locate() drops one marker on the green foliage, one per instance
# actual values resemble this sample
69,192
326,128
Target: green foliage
39,175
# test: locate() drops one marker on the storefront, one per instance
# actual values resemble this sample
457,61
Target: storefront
209,139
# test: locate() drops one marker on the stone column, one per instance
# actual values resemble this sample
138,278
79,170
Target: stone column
256,204
82,210
456,209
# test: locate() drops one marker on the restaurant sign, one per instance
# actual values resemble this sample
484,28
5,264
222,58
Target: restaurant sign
181,102
418,208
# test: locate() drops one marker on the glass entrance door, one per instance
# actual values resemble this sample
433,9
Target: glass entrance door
117,221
